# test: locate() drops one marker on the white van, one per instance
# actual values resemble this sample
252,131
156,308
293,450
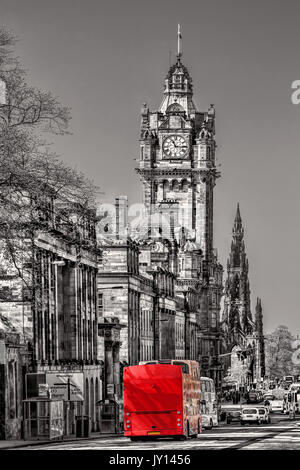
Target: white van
209,405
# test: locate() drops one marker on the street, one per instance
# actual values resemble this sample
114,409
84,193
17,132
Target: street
281,434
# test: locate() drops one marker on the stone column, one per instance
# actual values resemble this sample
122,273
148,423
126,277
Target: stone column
70,312
116,368
109,368
60,312
121,216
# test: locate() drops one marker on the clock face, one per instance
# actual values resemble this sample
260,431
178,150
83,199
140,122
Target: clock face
175,146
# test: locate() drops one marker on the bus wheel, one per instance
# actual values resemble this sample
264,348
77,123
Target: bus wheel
210,424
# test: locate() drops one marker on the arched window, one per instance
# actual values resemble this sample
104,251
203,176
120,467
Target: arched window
165,188
174,108
184,185
175,185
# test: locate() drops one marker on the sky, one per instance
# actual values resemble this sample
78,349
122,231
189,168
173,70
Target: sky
105,58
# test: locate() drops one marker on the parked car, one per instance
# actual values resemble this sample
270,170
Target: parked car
264,414
250,415
231,413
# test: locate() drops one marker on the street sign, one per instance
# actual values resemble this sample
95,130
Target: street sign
66,386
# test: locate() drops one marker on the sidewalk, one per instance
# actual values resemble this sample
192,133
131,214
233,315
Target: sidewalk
6,445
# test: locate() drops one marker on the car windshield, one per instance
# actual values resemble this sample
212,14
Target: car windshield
261,411
250,411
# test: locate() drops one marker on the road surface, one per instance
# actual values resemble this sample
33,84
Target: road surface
281,434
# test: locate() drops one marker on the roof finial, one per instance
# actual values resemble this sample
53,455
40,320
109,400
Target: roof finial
179,37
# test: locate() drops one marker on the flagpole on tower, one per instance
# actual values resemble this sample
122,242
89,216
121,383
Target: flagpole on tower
179,37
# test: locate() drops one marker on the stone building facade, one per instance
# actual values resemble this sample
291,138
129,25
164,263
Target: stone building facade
243,340
13,365
53,310
160,323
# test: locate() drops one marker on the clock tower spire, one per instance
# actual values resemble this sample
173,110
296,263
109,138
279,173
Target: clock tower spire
179,38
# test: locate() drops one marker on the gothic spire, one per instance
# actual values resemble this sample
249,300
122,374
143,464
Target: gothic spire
238,230
258,315
237,257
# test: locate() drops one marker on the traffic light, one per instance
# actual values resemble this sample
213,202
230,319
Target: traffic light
289,397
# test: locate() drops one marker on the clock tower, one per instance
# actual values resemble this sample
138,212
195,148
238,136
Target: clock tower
178,174
177,163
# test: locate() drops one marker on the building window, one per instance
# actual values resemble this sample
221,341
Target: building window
100,304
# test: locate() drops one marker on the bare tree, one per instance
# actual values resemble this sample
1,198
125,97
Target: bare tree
37,190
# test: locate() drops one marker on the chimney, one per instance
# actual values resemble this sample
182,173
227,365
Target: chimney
121,217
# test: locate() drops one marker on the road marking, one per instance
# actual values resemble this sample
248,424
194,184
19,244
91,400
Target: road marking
252,440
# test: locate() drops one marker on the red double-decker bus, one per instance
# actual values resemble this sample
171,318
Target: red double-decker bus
162,398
